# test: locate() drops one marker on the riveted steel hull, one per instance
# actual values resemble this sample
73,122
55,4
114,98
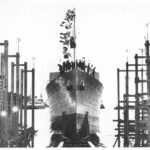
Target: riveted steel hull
74,100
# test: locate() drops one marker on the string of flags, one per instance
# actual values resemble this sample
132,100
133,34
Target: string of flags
66,38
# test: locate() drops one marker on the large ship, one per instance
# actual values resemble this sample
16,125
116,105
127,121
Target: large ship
74,95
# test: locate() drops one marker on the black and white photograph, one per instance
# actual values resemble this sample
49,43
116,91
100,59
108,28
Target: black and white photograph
74,74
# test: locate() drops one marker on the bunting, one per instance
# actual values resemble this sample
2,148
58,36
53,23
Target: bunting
66,38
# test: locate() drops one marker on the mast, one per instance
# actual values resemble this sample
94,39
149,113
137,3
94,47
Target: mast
74,34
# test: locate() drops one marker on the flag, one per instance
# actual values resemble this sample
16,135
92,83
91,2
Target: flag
65,49
67,55
72,42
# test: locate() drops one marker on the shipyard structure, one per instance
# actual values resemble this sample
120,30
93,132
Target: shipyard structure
133,108
14,131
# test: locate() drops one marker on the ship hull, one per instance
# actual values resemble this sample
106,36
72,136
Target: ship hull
74,100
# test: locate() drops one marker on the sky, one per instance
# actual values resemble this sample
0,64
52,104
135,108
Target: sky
105,31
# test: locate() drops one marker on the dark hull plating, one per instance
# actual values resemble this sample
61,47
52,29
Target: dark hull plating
74,100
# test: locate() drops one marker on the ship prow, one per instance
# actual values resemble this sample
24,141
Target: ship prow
74,104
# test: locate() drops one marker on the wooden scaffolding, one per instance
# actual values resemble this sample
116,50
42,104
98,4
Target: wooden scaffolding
133,109
13,103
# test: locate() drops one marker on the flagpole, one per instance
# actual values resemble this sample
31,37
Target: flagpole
74,40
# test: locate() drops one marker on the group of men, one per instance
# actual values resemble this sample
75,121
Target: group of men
68,66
